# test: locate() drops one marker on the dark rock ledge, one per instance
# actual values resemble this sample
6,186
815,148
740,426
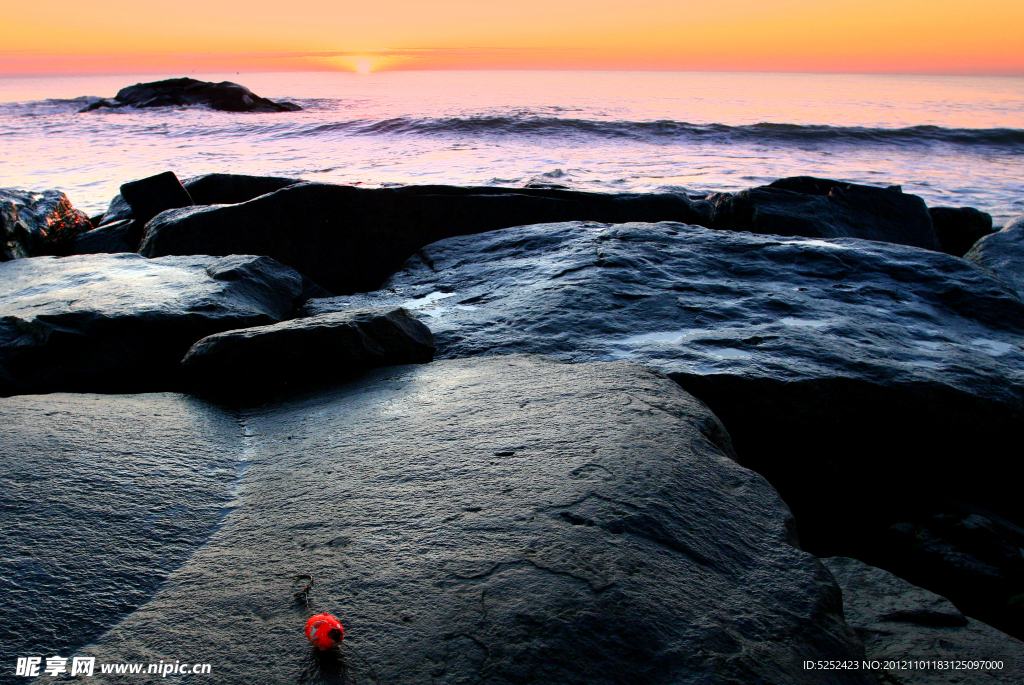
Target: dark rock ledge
183,92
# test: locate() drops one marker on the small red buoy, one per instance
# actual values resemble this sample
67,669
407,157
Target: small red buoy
324,631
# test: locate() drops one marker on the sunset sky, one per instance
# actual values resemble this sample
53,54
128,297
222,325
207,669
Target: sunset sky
889,36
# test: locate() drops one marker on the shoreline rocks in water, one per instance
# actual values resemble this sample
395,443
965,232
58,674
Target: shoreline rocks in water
531,504
184,92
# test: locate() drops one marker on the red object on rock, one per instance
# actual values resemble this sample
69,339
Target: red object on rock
324,631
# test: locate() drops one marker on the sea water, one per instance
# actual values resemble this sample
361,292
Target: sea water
956,141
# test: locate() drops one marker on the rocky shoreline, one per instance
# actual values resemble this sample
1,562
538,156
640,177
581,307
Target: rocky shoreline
648,416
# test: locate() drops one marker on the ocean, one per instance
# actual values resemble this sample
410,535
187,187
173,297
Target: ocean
956,141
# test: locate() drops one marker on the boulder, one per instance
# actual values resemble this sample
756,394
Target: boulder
103,496
350,239
108,238
902,623
33,224
869,382
307,351
1002,254
958,228
118,210
822,208
149,196
184,92
119,322
504,520
231,189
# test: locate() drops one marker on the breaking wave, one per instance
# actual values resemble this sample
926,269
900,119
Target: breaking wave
666,130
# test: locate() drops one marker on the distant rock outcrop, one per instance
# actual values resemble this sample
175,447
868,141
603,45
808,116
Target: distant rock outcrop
182,92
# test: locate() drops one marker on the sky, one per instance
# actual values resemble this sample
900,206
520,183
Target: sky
872,36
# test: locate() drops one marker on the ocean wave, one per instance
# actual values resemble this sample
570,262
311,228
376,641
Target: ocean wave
665,130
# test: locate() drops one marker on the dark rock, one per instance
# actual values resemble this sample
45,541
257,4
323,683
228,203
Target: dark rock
108,238
231,189
118,210
103,497
958,228
307,351
1002,254
855,375
350,239
147,197
900,622
115,323
503,520
184,92
33,224
821,208
968,554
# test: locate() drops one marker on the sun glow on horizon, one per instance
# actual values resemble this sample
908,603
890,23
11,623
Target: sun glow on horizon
871,36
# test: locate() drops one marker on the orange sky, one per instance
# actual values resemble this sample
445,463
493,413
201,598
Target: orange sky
901,36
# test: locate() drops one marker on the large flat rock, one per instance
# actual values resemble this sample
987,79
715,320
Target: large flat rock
502,520
869,382
902,623
102,497
119,322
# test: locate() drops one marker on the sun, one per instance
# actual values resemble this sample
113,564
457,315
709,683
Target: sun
363,66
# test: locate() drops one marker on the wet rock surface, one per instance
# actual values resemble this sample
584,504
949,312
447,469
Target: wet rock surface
1002,254
312,350
495,521
823,208
107,323
899,622
870,383
103,496
350,239
33,224
183,92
